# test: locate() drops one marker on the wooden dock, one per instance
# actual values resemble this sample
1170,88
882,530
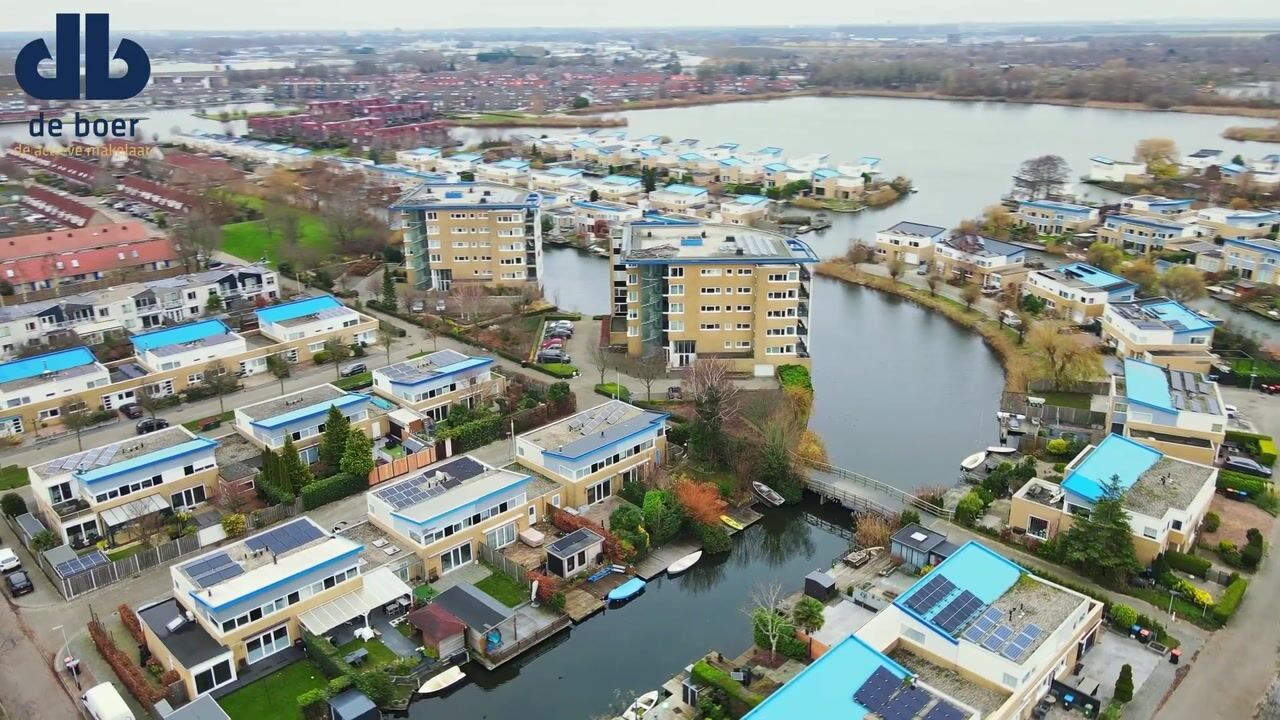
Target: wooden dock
588,599
745,514
659,559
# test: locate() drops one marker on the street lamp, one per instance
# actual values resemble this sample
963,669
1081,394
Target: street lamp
69,662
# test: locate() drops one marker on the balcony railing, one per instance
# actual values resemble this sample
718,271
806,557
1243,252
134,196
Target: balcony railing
802,329
802,310
72,508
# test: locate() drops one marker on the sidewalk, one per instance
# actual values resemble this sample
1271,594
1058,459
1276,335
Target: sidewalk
987,305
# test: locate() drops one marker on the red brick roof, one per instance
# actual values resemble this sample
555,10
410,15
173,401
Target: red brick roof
65,241
436,623
36,196
210,167
103,260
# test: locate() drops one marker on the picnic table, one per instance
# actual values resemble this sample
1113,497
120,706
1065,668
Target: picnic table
356,657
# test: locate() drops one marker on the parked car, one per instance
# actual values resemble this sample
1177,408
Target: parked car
1246,465
418,306
1270,388
1010,318
354,369
149,425
19,583
558,333
552,342
133,411
566,324
1233,412
103,702
923,269
9,561
554,355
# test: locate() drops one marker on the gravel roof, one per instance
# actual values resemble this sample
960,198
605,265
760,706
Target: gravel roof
1170,483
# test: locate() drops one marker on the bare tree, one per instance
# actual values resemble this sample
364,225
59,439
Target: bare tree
1044,173
386,340
710,377
147,400
338,352
647,369
196,239
221,381
1060,357
933,280
148,525
76,418
970,294
1155,151
896,268
767,610
602,359
469,297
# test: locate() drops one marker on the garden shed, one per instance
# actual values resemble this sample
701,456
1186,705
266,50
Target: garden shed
574,552
353,705
919,546
441,630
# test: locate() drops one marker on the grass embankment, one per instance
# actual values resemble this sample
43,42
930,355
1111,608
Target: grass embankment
1253,134
1016,361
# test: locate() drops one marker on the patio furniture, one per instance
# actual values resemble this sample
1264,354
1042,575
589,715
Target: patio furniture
356,657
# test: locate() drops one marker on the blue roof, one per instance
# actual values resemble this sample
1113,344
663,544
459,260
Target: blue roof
778,167
868,160
1092,276
1259,244
1147,384
49,362
135,463
770,150
1146,222
1174,313
1059,206
567,172
311,410
297,309
686,189
1102,159
515,163
1233,168
825,173
692,156
1114,456
751,200
179,335
731,162
620,180
826,687
465,157
428,151
973,567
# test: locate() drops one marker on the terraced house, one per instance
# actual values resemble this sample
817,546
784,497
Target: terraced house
681,199
1078,291
471,233
974,258
432,384
1256,259
1155,206
113,490
1177,412
1049,217
1235,224
592,453
33,390
301,416
1140,234
1161,332
683,290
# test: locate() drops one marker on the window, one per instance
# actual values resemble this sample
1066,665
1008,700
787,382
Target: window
267,644
455,558
675,272
675,290
215,676
501,537
1149,531
912,634
710,272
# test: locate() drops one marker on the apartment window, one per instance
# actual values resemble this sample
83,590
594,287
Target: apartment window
744,326
744,308
745,271
676,326
501,537
711,327
744,291
1149,531
710,291
675,290
194,378
710,272
675,308
432,215
675,272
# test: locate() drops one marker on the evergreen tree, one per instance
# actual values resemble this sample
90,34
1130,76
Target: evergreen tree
357,459
1124,684
1100,544
388,288
270,473
336,428
295,474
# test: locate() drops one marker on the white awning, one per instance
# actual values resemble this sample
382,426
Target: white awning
380,587
122,514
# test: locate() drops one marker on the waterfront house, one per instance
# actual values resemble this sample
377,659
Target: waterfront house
109,490
484,618
1201,160
442,513
1230,224
978,637
1266,164
1256,260
584,215
1156,206
1177,412
1165,497
1078,291
1142,234
574,553
618,188
1159,331
687,289
1105,169
60,376
680,198
301,416
423,159
593,452
243,602
777,174
744,210
920,547
1050,217
992,264
460,163
833,184
912,243
184,346
1209,257
432,384
557,179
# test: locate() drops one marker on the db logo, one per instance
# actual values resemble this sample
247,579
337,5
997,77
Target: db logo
98,83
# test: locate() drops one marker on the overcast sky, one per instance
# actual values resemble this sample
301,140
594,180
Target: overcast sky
429,14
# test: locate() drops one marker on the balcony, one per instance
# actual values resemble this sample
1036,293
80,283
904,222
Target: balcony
805,275
804,292
802,310
70,509
802,329
802,350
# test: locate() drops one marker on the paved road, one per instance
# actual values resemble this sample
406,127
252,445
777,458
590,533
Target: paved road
1238,663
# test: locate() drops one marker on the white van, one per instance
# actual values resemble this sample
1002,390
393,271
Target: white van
104,703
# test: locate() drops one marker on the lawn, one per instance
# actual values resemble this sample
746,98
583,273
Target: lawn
195,425
614,390
1079,401
123,553
12,476
355,382
503,588
424,593
275,696
251,240
379,654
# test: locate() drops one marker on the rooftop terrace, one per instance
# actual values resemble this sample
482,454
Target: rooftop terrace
709,242
466,194
303,399
428,367
1161,314
1086,277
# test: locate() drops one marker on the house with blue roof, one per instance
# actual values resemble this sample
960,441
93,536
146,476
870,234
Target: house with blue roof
460,163
109,490
557,179
586,213
1161,331
1255,259
1202,159
1230,224
512,171
1142,233
1078,291
313,317
183,346
300,416
680,198
26,382
1165,497
744,210
592,453
836,184
990,263
1155,206
1178,412
1050,217
432,384
977,619
618,188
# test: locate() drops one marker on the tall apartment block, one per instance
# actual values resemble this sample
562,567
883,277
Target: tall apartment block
470,232
689,290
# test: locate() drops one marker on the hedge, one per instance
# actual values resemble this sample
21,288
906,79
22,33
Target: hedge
1230,600
1262,446
795,376
1191,564
1233,480
323,492
610,390
270,493
556,370
473,433
704,673
326,655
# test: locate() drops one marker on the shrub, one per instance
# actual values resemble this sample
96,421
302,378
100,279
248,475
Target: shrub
325,655
1123,616
1250,556
1060,467
907,517
1262,447
12,504
314,702
1057,446
706,674
472,433
1231,480
714,538
970,508
234,525
1124,684
1254,536
1212,521
1229,602
622,392
557,370
320,358
1226,547
323,492
376,684
44,540
678,433
339,684
270,493
130,620
1188,563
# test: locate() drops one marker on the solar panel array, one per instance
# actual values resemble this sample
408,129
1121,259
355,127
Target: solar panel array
998,638
602,419
94,457
885,695
923,600
286,537
956,614
983,625
944,711
1019,645
410,493
212,569
84,563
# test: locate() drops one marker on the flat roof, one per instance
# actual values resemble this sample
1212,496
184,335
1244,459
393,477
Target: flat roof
442,363
1146,222
1172,391
298,309
471,195
916,229
446,486
587,431
579,539
190,643
304,403
658,243
124,454
982,246
1116,456
212,331
1169,484
54,362
472,606
1055,205
682,189
1082,276
1162,314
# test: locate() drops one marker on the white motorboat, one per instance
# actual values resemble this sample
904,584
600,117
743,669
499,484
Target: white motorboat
1001,450
642,705
767,493
684,563
445,680
973,461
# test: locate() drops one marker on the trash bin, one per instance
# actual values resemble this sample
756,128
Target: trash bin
1175,655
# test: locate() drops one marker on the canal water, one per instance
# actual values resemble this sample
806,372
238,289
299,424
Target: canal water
596,668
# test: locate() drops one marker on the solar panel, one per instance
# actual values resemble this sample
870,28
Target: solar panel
992,615
212,570
1014,649
998,638
285,537
1178,402
923,600
975,632
84,563
905,704
1175,379
958,612
943,711
876,689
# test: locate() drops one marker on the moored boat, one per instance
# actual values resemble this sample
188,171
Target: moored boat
443,681
731,522
642,705
1001,450
973,461
626,590
767,494
684,563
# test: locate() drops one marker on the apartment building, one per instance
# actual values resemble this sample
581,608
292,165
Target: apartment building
430,385
743,210
1255,259
1142,234
471,233
687,289
443,512
1160,331
109,490
62,258
160,196
241,603
977,627
974,258
33,389
910,242
1155,206
1105,169
512,171
1235,224
1078,291
1049,217
593,452
681,199
1165,497
300,416
1177,412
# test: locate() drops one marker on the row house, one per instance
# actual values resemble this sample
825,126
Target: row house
433,384
1155,206
393,137
681,199
312,318
256,151
202,343
186,169
459,163
1078,292
1142,234
912,243
512,171
55,162
1230,224
744,210
66,210
990,263
1160,331
1050,217
47,382
162,197
618,188
62,258
423,159
300,417
1255,259
585,215
557,179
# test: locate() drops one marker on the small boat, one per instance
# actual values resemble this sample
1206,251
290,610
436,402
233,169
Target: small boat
973,461
642,705
626,590
1001,450
732,523
684,563
767,493
804,229
443,681
599,251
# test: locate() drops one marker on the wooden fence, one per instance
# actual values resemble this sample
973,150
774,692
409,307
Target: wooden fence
505,564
